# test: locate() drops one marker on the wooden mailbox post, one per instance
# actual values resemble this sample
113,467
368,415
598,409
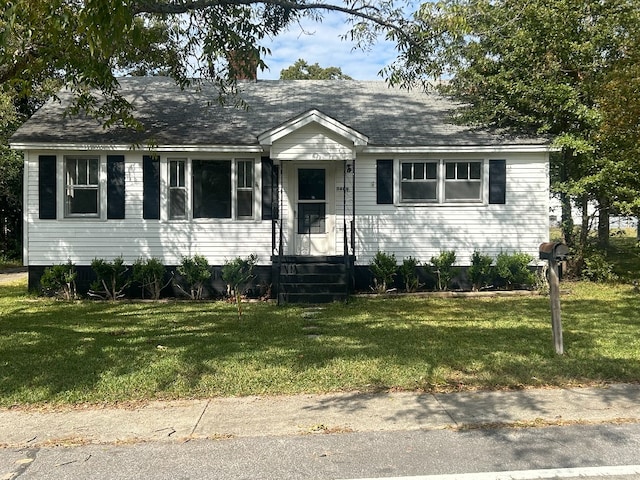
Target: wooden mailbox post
555,252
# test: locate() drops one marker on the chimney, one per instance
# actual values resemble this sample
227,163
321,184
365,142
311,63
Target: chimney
243,65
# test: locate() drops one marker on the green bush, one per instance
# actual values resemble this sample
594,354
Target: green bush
149,273
513,270
443,268
384,269
195,273
111,277
60,281
237,273
409,273
480,272
597,268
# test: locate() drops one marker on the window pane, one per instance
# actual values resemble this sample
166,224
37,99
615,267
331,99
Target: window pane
463,170
212,189
181,173
469,190
311,184
432,171
245,203
451,171
93,171
82,201
418,171
173,173
419,191
177,203
311,218
245,174
475,170
82,172
71,172
406,171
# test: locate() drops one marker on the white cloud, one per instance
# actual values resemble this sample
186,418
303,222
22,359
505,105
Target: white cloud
321,43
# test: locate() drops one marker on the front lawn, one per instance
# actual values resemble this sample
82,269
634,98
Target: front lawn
62,353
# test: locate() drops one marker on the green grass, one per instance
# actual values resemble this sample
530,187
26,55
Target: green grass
65,353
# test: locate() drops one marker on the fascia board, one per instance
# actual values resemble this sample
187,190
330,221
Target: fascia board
462,149
139,148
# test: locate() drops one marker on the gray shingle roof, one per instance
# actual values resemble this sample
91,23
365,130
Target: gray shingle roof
387,116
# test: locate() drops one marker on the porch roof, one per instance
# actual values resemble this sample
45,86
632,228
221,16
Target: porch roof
385,116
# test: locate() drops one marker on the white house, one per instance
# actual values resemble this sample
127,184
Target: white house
309,171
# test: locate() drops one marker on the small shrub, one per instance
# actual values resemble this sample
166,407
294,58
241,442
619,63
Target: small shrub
513,269
480,272
60,281
111,279
597,268
384,269
443,268
195,273
237,273
409,273
149,273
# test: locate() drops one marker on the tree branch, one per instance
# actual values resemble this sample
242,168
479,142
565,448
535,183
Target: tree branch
369,13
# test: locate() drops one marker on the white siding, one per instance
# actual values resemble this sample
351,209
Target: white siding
418,231
312,142
424,231
81,240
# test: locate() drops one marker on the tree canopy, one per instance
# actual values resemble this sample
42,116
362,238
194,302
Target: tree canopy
563,68
301,70
88,43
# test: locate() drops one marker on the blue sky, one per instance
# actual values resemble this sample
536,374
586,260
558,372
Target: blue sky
320,43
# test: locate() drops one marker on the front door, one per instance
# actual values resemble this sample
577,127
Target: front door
314,216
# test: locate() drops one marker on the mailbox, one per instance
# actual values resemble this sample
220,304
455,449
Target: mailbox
553,251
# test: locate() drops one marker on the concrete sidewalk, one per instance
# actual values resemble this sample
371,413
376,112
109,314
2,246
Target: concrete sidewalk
307,414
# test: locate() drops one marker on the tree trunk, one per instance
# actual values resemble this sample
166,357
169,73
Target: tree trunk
584,229
603,223
567,219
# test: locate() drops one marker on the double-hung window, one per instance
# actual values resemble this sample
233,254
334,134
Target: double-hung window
463,181
419,181
177,189
244,190
82,186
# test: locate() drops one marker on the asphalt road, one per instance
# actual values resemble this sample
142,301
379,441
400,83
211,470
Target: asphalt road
344,456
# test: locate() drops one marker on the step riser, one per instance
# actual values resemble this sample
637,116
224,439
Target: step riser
312,279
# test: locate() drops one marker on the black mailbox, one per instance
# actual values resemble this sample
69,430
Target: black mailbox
553,251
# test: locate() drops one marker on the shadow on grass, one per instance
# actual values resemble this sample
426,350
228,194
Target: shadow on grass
98,351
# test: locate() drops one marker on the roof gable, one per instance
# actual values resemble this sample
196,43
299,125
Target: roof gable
312,117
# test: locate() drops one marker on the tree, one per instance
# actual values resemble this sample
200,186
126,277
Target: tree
88,42
536,67
301,70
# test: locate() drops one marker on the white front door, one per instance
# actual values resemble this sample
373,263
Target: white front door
314,209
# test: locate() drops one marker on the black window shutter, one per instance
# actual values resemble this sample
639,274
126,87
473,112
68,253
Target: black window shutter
150,187
269,189
47,187
384,181
115,186
497,181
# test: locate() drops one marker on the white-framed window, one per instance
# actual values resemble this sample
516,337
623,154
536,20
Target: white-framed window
441,181
419,181
82,186
244,188
463,181
177,189
208,189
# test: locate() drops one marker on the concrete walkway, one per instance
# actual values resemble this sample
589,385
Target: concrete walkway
311,414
